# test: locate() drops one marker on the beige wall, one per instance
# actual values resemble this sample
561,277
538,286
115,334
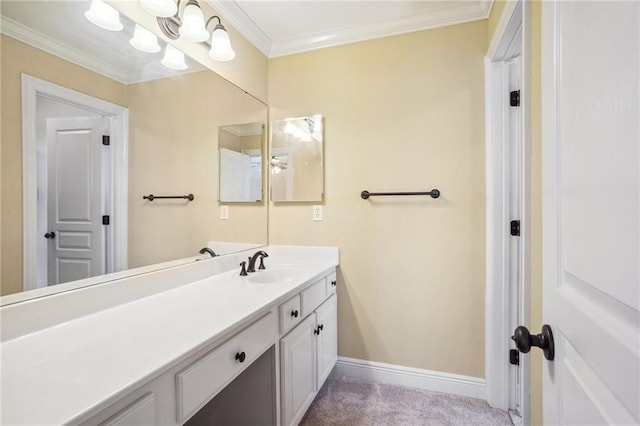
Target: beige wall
401,113
536,197
17,58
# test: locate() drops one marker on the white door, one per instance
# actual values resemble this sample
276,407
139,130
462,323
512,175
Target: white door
591,220
75,203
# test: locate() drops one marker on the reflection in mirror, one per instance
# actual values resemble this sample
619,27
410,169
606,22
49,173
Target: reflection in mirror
297,159
87,82
240,154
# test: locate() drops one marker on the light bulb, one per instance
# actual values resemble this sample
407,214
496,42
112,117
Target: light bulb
144,40
173,58
221,45
161,8
104,16
193,28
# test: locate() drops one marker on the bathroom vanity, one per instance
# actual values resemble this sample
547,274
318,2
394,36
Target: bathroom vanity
190,344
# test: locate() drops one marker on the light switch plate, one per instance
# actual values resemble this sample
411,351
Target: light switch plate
317,213
224,212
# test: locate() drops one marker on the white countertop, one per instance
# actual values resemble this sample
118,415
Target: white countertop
59,373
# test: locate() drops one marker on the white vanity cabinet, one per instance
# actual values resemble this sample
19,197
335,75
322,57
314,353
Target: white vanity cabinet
326,340
298,371
217,348
203,379
309,351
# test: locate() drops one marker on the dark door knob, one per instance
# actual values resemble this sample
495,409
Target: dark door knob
524,340
240,357
50,235
294,314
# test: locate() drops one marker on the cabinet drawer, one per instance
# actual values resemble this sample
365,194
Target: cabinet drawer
202,380
312,297
290,313
140,412
332,283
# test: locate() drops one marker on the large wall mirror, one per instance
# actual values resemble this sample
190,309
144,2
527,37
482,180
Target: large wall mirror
162,115
296,161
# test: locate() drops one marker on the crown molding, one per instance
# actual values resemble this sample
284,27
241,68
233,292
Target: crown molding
487,6
456,13
49,45
238,19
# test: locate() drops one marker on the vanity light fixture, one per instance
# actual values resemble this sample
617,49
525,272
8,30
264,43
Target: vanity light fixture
221,49
104,16
144,40
173,58
193,27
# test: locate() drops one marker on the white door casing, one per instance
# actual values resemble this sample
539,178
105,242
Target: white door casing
512,38
32,88
75,199
514,198
591,211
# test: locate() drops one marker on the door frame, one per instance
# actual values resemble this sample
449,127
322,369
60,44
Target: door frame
117,175
515,19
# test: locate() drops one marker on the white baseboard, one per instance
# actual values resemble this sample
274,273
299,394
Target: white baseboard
435,381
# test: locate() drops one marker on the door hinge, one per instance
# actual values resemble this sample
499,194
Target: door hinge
515,228
105,219
514,357
106,140
514,98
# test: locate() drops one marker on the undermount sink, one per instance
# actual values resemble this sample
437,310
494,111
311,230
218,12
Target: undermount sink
278,274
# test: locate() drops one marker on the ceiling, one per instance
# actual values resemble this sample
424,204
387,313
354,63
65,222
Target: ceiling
279,28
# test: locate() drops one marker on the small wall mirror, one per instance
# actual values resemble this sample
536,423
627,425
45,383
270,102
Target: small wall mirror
296,162
240,153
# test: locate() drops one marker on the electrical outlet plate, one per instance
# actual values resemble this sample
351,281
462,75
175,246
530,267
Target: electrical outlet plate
224,212
317,213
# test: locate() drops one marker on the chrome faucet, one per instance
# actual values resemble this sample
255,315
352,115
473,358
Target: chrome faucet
251,267
204,250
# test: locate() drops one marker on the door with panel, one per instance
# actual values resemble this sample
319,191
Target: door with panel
298,370
591,205
327,339
76,199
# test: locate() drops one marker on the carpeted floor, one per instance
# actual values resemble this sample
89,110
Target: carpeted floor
349,402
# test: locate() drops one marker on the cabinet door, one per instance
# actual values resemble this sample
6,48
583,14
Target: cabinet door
298,370
327,340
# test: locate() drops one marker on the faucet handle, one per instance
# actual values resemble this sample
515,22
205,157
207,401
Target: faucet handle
261,263
243,271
